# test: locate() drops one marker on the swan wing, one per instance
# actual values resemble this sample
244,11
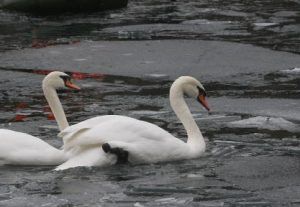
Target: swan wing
86,124
145,142
78,128
114,128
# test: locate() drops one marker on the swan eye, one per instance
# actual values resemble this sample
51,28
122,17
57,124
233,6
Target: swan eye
65,78
68,83
201,91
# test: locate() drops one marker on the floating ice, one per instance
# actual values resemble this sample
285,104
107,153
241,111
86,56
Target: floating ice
199,176
166,200
80,59
148,62
171,200
270,123
156,76
48,127
138,205
218,118
291,71
265,24
148,112
205,21
127,54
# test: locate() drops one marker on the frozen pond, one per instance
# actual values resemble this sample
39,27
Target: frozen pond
267,23
245,164
130,57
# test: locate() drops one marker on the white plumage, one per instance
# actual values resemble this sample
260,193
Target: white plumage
145,142
18,148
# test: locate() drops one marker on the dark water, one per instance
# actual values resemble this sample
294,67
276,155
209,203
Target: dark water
255,162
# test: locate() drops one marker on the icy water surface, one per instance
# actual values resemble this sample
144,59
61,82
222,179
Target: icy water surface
251,160
269,23
252,133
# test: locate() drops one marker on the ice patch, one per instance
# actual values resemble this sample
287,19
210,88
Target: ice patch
269,123
156,77
148,62
265,24
80,59
171,200
48,127
148,112
166,200
127,54
291,71
205,21
218,118
138,205
199,176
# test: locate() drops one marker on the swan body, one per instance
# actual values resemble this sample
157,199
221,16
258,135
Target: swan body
144,142
18,148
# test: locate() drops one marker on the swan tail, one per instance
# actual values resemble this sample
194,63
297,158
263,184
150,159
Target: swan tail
88,158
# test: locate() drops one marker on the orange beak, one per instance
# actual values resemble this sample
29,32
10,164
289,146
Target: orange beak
69,84
202,100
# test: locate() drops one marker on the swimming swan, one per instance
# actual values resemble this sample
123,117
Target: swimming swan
134,140
18,148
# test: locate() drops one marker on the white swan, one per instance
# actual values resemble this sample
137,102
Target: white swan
135,140
18,148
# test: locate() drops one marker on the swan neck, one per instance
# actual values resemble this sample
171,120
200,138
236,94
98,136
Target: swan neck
56,107
178,104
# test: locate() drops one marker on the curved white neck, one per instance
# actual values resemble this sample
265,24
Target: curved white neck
195,139
56,107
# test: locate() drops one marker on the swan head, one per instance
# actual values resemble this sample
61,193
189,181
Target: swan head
57,80
192,88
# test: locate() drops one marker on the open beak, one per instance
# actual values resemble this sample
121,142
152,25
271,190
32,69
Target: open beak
202,100
69,84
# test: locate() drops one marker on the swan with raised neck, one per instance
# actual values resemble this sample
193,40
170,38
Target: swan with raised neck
142,141
18,148
53,81
192,88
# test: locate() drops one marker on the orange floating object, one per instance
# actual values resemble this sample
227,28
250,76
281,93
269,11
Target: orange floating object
50,116
20,117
